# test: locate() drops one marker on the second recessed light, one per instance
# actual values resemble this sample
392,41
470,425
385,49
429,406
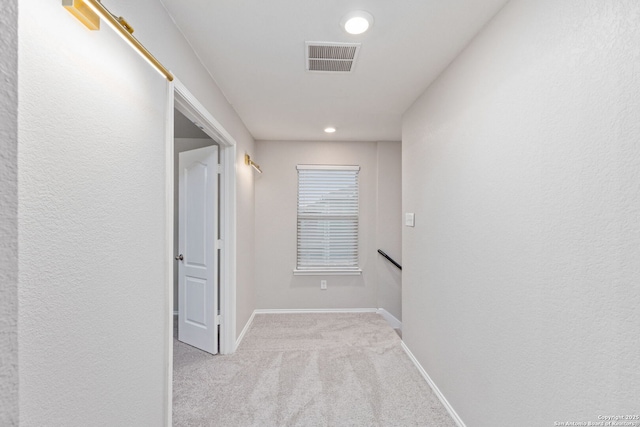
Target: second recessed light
330,130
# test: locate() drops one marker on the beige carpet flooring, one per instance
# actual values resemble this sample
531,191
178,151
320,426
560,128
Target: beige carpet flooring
305,370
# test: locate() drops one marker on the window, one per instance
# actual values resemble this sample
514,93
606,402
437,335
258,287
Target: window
327,220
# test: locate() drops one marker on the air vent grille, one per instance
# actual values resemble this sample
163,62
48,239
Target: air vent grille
332,52
330,66
331,57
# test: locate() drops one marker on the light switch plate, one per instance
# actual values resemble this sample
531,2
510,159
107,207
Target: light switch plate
409,219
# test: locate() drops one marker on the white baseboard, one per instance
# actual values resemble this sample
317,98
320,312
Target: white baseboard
314,310
244,330
390,318
434,387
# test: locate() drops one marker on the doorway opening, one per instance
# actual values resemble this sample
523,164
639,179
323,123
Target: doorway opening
181,101
196,225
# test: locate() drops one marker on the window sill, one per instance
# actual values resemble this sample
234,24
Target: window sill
357,272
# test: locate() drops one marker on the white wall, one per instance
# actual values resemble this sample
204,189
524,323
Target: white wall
92,214
92,221
8,213
521,163
276,207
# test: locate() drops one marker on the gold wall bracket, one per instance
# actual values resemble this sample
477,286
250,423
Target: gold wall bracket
80,10
249,162
125,24
89,12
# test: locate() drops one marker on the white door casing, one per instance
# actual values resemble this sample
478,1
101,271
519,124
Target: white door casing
180,98
198,235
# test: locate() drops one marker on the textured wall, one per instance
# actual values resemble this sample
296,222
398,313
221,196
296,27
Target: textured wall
8,213
521,162
92,226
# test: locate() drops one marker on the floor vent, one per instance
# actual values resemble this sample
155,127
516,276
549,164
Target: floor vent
324,57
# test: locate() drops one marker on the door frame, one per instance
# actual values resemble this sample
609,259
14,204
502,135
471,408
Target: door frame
179,97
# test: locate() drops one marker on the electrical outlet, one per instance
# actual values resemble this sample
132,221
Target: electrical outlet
323,285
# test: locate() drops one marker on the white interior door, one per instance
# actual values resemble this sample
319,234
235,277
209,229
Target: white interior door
197,242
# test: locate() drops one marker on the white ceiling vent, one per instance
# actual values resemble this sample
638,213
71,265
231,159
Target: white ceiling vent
327,57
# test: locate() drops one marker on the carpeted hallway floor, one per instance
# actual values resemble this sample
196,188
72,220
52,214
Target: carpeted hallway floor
305,370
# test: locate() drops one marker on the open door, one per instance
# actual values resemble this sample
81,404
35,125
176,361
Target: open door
197,243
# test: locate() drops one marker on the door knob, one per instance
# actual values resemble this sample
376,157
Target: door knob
179,257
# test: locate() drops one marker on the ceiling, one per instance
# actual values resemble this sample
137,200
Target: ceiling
256,52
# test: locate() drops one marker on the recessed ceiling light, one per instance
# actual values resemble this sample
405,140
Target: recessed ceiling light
357,22
329,130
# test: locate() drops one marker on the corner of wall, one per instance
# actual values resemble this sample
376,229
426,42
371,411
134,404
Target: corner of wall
388,225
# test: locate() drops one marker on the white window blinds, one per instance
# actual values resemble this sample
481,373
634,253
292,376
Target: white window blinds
327,219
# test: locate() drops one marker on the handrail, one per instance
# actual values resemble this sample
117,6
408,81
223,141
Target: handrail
389,259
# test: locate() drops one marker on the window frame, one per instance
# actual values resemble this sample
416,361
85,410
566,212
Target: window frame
328,270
